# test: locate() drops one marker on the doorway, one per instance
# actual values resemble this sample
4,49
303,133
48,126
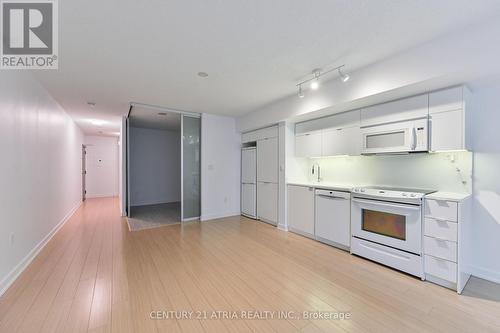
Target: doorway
84,173
163,167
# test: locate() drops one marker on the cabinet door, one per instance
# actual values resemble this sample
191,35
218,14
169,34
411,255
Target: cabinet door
267,202
249,199
301,209
447,130
446,100
267,160
341,141
400,110
248,166
308,144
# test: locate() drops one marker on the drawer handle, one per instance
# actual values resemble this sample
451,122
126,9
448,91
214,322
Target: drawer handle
437,219
441,239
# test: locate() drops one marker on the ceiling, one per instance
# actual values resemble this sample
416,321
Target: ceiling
145,117
119,51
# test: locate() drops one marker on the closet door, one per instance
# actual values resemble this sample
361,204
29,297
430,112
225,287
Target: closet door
190,150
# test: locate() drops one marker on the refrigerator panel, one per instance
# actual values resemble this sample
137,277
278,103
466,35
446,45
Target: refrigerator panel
249,166
249,199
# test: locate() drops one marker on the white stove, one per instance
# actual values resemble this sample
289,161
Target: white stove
402,195
386,226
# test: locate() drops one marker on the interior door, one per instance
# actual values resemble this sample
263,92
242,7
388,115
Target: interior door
84,173
127,140
190,168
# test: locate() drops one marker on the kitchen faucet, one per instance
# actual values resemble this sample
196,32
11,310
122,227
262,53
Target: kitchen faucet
318,171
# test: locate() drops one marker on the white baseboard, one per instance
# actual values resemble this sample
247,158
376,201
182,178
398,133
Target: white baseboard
94,196
283,227
8,280
209,217
485,274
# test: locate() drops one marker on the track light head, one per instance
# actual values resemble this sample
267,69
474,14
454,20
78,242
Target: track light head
315,82
345,77
300,93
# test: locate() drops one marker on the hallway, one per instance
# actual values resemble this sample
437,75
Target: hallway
96,276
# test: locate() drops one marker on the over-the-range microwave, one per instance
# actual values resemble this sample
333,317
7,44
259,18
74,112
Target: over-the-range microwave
398,137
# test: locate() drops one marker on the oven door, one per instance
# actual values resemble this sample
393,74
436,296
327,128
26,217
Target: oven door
392,224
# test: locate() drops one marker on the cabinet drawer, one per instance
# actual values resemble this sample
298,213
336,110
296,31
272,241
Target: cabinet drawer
440,268
440,229
441,209
440,248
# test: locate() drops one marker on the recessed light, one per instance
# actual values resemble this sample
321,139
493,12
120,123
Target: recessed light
162,113
202,74
97,122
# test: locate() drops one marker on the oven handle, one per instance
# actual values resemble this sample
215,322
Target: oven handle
386,204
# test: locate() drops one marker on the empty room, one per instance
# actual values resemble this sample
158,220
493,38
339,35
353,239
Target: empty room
250,166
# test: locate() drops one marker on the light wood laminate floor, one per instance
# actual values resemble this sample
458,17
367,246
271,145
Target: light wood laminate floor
96,276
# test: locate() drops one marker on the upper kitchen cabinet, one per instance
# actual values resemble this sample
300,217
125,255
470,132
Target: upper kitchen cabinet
342,137
260,134
308,144
329,136
267,160
400,110
448,114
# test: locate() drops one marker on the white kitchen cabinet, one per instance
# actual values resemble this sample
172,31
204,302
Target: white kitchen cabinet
308,144
301,209
447,240
448,116
267,202
260,134
338,120
341,141
267,160
400,110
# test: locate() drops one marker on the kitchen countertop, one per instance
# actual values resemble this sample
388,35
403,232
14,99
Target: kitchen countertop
325,185
450,196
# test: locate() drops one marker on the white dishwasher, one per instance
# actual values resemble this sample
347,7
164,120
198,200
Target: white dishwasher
333,218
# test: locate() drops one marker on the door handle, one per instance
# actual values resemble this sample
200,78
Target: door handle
413,138
330,197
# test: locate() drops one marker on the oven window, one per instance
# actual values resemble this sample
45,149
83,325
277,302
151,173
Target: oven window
385,140
387,224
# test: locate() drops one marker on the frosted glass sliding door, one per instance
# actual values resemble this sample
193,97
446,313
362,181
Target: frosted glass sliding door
191,154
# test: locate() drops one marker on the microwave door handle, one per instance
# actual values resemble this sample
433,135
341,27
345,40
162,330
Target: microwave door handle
413,139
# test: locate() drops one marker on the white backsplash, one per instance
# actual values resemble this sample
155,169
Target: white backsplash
439,171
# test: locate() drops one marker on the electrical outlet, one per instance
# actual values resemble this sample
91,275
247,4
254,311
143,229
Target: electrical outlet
11,238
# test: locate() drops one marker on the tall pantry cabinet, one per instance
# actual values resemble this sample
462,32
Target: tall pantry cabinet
267,172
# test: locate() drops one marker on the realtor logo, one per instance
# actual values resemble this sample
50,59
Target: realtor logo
29,34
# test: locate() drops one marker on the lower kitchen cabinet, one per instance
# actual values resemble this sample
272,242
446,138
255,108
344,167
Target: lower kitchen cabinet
267,202
301,209
447,245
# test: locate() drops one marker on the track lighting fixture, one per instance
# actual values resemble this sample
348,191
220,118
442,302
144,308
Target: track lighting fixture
315,82
345,77
315,79
300,93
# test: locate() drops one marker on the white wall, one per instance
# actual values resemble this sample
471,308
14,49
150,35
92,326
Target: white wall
486,202
220,167
102,179
462,56
40,170
431,171
155,166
